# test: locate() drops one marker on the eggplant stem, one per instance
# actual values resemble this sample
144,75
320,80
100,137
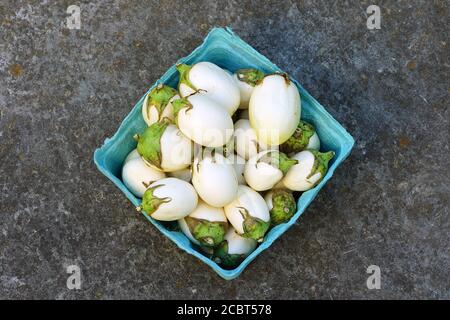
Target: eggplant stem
286,78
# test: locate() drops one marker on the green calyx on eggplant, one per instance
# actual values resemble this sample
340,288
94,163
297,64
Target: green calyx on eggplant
157,104
254,228
321,162
184,69
250,76
304,137
150,202
282,206
208,233
309,171
158,143
149,143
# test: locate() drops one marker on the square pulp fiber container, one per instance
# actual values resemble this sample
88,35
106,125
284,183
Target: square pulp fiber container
224,48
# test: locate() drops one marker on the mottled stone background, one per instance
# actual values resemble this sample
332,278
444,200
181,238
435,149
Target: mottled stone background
62,92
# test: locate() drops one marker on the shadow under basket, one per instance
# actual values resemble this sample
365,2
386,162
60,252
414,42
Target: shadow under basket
224,48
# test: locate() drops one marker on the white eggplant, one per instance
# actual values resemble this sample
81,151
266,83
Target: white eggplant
248,214
274,109
203,121
233,249
214,179
304,137
136,175
281,204
245,140
309,171
169,199
264,170
164,147
246,80
214,82
205,226
158,104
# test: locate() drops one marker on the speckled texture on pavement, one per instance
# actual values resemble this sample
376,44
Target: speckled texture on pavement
62,92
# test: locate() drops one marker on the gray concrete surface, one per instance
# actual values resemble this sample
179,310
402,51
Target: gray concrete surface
63,91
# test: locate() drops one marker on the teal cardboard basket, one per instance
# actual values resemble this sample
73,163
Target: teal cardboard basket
224,48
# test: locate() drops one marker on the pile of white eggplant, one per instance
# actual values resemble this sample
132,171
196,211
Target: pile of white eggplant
222,155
